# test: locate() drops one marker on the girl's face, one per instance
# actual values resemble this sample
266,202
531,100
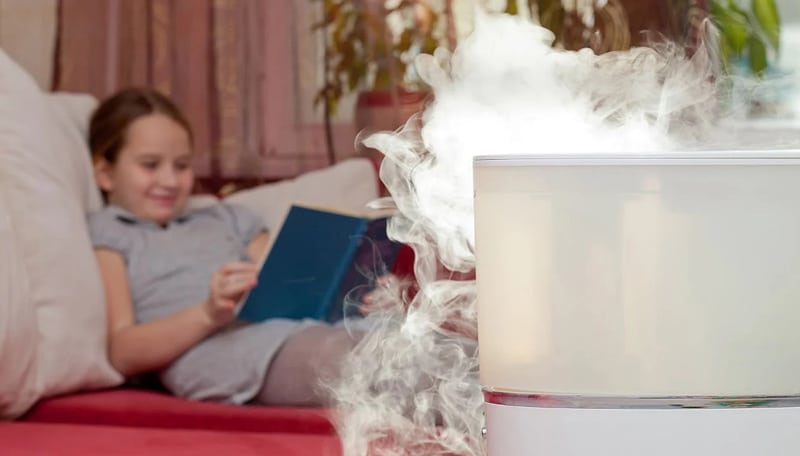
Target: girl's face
152,176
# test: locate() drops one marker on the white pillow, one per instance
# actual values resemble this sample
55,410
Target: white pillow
348,185
18,328
42,167
73,111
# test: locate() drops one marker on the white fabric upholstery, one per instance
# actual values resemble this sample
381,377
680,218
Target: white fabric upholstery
72,110
18,327
46,186
348,185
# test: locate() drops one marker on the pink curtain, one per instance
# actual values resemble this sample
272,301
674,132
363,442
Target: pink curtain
206,54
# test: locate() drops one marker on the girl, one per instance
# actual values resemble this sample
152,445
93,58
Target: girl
173,277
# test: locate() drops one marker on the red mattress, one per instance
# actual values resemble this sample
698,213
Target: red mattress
148,409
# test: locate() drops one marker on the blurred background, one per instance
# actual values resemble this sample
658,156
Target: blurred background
278,87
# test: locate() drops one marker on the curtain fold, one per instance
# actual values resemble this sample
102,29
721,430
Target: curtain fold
205,54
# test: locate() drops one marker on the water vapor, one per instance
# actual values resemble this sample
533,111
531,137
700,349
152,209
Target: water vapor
411,386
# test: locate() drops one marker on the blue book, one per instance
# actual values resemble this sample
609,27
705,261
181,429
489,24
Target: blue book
320,261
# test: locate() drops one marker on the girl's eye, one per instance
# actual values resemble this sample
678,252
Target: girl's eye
150,165
181,166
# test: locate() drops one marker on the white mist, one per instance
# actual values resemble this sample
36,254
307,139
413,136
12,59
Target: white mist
412,385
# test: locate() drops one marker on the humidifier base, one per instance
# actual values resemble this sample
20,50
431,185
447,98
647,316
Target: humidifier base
513,430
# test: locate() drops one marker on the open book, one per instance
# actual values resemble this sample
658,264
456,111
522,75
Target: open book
319,257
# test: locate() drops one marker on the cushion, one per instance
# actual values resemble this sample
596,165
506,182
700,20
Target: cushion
141,408
348,185
73,111
42,168
18,326
82,440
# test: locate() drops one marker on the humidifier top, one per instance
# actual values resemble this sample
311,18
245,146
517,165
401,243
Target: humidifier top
705,157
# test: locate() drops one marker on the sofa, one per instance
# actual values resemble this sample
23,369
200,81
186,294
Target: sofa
136,422
58,393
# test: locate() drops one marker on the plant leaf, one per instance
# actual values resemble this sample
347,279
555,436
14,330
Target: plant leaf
551,16
757,51
726,54
404,44
383,78
766,12
734,6
511,7
734,27
429,45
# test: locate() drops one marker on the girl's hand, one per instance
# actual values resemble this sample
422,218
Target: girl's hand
382,297
228,286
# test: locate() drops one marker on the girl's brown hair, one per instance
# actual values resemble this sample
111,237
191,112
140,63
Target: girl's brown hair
110,121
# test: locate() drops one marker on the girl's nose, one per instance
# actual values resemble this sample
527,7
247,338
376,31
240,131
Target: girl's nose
167,177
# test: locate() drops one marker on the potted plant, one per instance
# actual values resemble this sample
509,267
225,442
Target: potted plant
606,30
749,35
369,48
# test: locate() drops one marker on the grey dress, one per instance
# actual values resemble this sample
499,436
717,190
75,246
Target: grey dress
169,269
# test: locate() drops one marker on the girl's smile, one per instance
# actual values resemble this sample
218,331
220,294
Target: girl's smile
152,176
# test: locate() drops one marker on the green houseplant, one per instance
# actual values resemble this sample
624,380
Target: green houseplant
609,32
369,48
750,34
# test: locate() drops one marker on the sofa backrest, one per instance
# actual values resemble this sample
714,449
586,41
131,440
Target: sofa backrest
348,185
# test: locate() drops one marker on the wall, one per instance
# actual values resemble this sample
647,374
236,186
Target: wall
27,35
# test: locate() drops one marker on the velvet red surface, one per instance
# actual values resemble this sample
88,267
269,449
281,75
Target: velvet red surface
46,439
141,408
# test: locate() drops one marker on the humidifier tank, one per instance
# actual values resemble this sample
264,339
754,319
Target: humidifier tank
639,304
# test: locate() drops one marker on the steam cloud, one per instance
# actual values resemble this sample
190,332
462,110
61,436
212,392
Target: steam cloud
411,386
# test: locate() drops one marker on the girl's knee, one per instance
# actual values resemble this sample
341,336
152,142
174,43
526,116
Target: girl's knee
308,359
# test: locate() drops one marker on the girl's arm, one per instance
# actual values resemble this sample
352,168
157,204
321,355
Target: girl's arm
257,247
136,348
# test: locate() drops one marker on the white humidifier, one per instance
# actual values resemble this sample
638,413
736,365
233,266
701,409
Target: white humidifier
640,304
